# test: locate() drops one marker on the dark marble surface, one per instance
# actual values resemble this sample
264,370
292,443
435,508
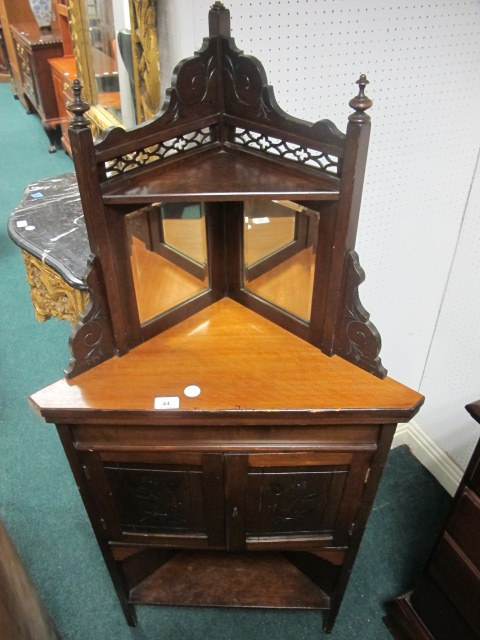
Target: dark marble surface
49,224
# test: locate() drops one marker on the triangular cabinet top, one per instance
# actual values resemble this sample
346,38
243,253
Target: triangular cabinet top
244,365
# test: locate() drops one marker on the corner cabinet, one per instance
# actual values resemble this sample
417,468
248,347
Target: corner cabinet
226,414
254,493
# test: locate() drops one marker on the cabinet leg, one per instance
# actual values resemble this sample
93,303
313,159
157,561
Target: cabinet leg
329,618
51,131
29,108
130,614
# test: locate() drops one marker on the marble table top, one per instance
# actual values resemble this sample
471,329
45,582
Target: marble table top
49,224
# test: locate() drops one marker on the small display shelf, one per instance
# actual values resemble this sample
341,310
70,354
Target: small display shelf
223,579
238,176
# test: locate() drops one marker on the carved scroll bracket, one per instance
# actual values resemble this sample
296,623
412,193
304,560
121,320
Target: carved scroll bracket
92,342
357,339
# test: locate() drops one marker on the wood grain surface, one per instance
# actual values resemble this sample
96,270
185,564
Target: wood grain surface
240,361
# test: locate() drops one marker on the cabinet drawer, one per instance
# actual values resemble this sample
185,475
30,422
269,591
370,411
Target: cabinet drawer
58,83
26,71
464,526
437,612
137,437
458,578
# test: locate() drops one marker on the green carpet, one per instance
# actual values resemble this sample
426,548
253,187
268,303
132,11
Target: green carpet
41,507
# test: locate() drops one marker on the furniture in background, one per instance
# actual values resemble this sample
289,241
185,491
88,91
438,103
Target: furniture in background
64,72
49,227
61,10
14,12
33,50
22,613
444,603
226,414
4,62
94,30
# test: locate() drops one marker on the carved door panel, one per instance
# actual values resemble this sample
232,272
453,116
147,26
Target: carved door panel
228,500
279,498
176,498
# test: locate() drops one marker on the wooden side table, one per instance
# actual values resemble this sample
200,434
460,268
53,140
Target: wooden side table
34,49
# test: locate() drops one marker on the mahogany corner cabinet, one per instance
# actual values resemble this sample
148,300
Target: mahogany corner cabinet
226,414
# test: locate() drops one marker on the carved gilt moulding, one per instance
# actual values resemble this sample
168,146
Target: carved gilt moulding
51,296
220,100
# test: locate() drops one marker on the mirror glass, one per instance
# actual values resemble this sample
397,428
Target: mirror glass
279,240
168,256
109,26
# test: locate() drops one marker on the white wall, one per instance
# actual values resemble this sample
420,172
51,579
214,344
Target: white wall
452,372
176,39
416,243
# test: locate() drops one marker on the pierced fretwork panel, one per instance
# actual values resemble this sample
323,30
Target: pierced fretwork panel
288,150
157,152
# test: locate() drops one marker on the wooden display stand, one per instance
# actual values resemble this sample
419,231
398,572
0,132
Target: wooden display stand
231,455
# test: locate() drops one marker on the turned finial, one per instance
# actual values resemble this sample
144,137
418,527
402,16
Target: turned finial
219,20
78,107
360,102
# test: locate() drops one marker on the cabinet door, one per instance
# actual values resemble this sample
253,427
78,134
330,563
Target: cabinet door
293,499
169,498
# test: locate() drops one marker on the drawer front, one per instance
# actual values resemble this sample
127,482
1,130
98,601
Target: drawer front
98,437
437,612
26,71
464,526
58,83
459,579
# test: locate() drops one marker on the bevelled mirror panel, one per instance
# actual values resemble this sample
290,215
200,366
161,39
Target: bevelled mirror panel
279,241
168,256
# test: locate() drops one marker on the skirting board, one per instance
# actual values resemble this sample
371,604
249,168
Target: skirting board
429,454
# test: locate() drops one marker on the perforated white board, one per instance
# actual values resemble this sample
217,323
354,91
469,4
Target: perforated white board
423,64
452,371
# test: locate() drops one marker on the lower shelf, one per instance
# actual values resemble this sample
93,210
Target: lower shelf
220,579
